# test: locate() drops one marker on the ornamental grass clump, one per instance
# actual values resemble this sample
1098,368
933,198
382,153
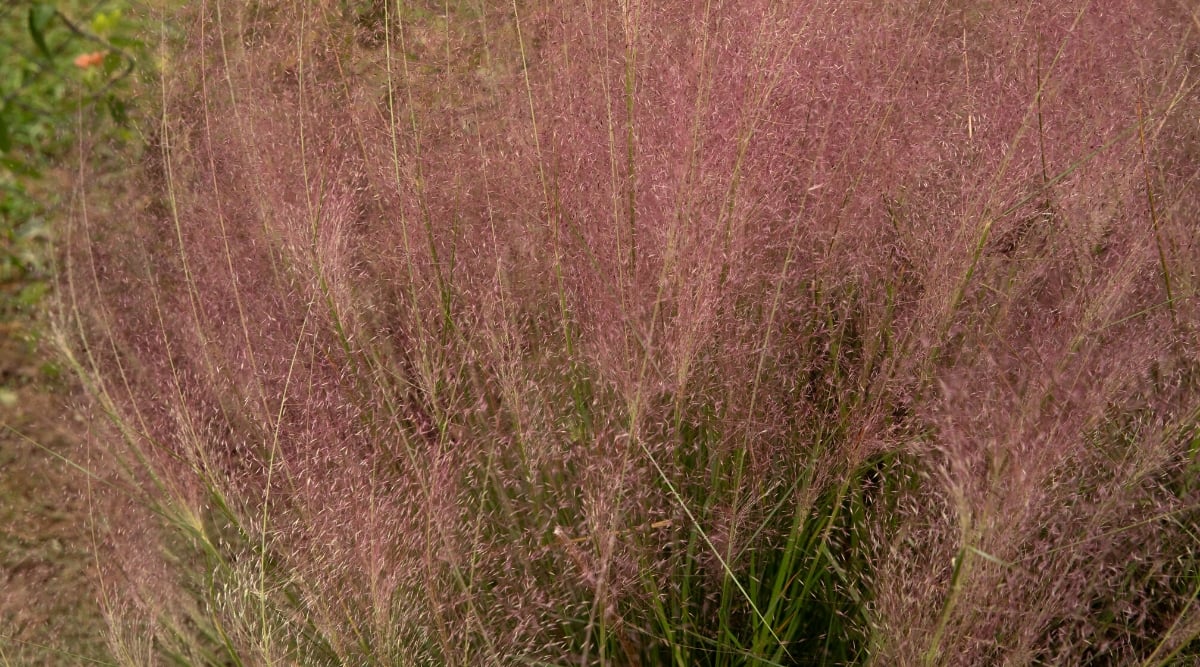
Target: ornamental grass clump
652,334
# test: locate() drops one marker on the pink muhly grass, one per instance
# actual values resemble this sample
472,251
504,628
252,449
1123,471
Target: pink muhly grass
655,333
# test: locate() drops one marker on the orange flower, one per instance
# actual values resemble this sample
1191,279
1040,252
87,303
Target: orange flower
86,60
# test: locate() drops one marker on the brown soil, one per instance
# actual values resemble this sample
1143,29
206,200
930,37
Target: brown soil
49,591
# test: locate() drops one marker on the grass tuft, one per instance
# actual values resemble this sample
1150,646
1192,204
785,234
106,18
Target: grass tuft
651,334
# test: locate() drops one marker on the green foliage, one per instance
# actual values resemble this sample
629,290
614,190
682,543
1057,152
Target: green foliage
63,67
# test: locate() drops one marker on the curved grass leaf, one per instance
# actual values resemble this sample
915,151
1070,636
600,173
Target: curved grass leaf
40,16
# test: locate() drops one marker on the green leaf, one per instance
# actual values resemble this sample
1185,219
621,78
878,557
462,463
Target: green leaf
104,22
32,294
112,62
40,16
117,109
127,42
5,138
19,168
